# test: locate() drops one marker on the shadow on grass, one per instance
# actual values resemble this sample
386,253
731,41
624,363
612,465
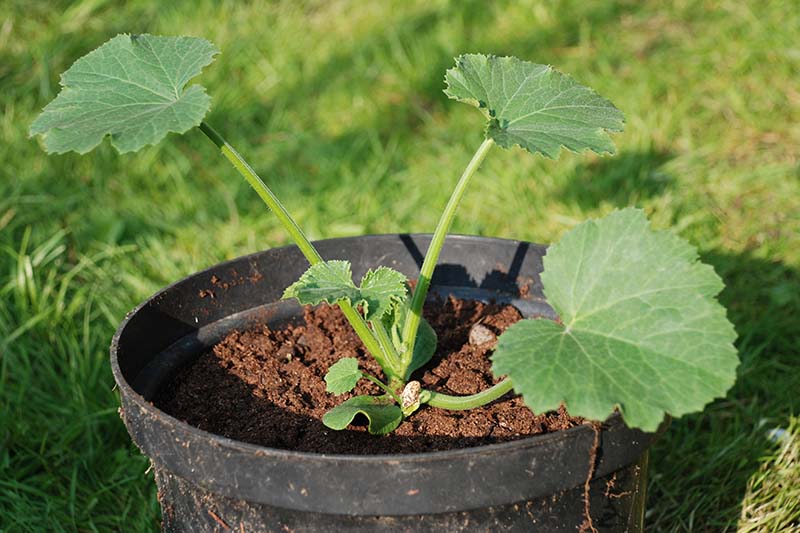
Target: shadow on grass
625,179
703,462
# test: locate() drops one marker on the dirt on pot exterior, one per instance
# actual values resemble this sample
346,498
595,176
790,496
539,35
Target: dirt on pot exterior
266,387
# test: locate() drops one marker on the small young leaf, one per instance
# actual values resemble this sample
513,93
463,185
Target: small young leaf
343,375
642,329
383,416
133,88
329,281
380,288
533,106
332,281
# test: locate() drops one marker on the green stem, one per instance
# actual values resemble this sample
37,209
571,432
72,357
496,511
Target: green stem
459,403
386,344
380,384
302,242
265,193
432,256
363,332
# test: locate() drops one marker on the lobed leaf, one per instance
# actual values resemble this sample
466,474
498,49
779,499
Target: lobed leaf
328,281
343,375
642,330
383,415
380,289
533,106
132,88
332,281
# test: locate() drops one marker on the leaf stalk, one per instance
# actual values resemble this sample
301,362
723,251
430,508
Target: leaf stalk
432,255
389,351
460,403
299,238
383,386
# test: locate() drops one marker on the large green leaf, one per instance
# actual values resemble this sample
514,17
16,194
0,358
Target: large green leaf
642,329
383,416
332,282
343,375
133,88
533,106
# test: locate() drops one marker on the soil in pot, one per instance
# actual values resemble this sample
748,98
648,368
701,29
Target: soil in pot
267,387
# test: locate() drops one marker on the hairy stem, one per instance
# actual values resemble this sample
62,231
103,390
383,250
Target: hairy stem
459,403
297,235
432,256
265,193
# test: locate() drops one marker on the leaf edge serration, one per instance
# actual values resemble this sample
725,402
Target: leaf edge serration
645,415
36,129
493,123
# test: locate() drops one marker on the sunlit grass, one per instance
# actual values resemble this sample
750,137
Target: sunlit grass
772,501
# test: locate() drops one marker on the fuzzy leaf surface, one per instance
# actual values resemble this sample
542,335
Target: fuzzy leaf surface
343,375
380,290
132,88
328,281
383,416
642,329
533,106
332,281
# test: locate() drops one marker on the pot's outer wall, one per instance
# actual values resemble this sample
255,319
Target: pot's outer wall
188,508
439,482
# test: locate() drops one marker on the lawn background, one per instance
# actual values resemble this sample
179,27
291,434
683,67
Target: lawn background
338,104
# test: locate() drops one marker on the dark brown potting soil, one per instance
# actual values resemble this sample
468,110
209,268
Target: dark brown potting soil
266,387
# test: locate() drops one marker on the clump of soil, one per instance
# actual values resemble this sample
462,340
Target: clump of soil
266,386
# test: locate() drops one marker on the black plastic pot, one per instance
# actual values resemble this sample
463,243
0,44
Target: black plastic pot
210,483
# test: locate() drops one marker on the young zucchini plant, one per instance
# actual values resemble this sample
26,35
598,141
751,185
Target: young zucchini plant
640,328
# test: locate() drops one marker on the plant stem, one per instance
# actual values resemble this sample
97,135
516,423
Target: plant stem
380,384
432,255
265,193
297,235
459,403
386,344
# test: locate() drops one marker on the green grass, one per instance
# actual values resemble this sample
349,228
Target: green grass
339,106
772,501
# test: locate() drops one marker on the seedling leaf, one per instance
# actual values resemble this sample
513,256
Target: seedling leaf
332,281
328,281
132,88
380,289
642,329
382,415
343,375
533,106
